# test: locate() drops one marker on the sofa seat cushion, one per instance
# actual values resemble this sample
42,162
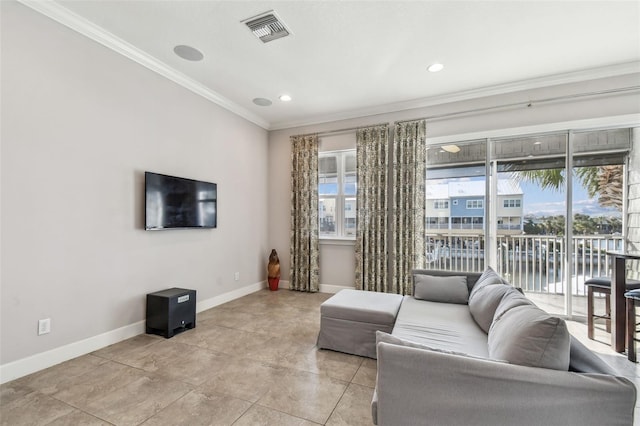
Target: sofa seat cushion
443,326
362,306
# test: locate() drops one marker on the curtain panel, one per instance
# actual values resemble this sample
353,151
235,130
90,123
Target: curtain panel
371,232
304,237
408,188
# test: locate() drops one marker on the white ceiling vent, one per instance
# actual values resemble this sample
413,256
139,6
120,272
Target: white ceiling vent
267,26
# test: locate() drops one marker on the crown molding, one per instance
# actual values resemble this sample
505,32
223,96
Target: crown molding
500,89
81,25
64,16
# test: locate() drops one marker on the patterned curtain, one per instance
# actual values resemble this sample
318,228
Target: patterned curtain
304,244
408,203
371,233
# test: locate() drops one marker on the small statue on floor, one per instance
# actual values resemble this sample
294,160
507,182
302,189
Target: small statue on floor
273,271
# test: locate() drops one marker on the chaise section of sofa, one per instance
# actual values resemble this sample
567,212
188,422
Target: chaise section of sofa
494,359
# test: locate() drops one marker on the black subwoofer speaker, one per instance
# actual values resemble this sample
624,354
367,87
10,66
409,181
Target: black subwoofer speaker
171,311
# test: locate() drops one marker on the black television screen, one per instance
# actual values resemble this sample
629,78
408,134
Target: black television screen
173,202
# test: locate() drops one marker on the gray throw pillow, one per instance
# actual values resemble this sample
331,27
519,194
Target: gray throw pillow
527,335
485,301
441,289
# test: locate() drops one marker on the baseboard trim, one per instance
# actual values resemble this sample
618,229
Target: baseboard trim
330,288
283,284
31,364
25,366
229,296
323,288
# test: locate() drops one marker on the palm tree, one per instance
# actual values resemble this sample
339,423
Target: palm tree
610,186
603,182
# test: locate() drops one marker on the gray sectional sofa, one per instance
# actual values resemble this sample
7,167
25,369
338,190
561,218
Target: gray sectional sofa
470,349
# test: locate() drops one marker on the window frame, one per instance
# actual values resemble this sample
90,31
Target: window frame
341,199
511,203
441,204
475,204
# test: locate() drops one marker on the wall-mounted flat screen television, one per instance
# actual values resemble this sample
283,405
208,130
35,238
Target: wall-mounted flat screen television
177,203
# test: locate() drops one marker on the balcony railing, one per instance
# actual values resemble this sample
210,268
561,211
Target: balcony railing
531,262
516,227
466,226
437,226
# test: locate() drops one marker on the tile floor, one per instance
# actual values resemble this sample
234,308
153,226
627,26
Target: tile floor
252,361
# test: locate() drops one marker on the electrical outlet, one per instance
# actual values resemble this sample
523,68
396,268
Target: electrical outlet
44,326
237,276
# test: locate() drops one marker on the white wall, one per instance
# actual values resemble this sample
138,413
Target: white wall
335,264
80,125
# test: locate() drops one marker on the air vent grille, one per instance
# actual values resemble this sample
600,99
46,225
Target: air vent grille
267,27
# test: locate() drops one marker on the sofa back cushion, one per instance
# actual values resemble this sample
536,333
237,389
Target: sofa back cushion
441,289
526,335
488,277
484,301
511,299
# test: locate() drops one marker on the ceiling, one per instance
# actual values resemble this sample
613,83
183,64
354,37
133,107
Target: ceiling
351,58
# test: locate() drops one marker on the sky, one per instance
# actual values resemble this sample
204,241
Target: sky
549,202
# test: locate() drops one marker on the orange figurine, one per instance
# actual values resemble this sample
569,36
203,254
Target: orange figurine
273,270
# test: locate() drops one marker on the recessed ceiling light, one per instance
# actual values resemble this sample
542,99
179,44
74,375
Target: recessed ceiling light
435,67
189,53
454,149
285,98
262,102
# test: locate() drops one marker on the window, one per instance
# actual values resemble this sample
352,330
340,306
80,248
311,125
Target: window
437,222
467,222
534,250
475,204
441,204
337,194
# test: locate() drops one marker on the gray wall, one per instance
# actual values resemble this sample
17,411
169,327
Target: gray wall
80,125
337,262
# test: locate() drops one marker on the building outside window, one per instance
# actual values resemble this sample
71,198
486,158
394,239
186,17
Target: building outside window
475,204
511,203
441,204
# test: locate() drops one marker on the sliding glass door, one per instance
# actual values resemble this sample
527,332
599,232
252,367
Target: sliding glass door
456,207
543,229
531,225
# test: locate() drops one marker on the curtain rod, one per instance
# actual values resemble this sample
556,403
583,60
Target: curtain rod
527,104
346,129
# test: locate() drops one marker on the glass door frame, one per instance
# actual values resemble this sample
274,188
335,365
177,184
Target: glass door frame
491,212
